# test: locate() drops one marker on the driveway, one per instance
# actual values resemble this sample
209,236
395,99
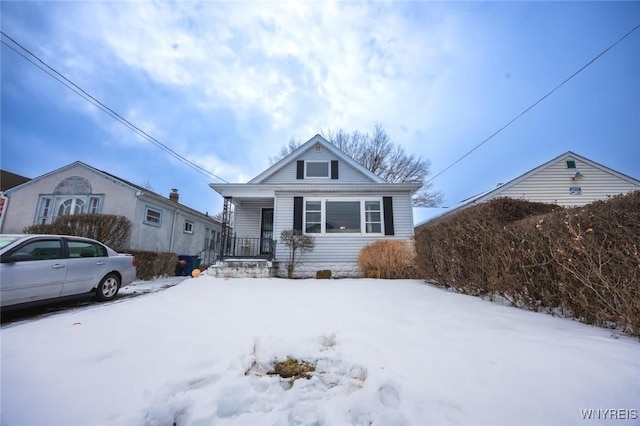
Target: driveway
135,289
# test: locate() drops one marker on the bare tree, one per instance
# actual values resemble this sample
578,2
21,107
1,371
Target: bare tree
296,241
379,154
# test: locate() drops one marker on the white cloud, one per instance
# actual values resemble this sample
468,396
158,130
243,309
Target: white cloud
303,66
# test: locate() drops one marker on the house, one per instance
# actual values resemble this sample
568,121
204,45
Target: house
158,223
569,180
8,180
318,190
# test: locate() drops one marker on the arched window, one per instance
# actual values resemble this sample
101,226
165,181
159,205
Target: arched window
71,206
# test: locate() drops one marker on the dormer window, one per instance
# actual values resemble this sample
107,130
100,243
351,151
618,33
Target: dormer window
317,169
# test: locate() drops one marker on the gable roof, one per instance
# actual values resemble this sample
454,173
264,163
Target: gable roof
9,180
117,180
293,156
562,157
486,195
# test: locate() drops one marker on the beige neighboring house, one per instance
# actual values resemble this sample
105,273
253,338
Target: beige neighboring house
158,223
569,180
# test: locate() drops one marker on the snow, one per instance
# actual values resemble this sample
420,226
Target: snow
387,353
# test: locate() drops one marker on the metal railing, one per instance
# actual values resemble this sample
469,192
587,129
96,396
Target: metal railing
245,247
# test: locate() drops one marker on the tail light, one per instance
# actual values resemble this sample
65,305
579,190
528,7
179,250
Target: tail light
133,261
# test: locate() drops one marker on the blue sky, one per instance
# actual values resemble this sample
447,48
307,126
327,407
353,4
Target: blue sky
226,84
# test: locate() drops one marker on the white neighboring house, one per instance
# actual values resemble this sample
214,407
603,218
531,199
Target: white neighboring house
569,180
318,190
158,223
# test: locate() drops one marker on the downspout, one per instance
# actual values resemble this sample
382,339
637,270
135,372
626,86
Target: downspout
4,209
173,230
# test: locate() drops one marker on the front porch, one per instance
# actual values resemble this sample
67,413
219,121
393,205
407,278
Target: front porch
245,257
235,247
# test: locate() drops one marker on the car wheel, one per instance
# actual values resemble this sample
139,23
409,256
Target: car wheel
108,287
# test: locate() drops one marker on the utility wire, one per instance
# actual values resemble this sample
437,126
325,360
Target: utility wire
534,104
30,56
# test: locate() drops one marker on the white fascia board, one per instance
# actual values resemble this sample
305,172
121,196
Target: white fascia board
248,190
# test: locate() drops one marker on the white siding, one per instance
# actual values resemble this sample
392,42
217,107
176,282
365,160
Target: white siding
346,173
551,185
248,217
341,248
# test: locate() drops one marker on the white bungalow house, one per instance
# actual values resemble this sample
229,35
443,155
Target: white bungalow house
158,223
318,190
569,180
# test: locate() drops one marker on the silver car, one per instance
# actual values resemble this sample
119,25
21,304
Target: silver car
35,268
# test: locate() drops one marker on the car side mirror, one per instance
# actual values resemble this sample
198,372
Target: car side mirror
16,257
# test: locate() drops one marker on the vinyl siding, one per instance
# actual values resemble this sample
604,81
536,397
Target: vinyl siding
332,248
346,173
551,185
248,217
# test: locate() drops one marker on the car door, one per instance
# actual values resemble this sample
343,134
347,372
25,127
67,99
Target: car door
86,266
37,274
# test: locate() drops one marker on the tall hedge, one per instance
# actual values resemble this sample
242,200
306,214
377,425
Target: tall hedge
583,262
111,230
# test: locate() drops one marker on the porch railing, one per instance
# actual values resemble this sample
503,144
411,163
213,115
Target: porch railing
245,247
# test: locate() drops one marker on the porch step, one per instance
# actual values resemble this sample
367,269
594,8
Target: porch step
243,268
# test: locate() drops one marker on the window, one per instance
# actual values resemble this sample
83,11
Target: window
44,211
42,249
53,205
317,169
372,217
313,217
336,216
94,205
152,216
71,206
343,217
571,164
86,249
188,227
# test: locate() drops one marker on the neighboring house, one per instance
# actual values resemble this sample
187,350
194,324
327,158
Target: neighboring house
318,190
8,180
568,180
158,223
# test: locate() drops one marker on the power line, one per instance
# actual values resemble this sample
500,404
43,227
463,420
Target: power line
534,104
82,93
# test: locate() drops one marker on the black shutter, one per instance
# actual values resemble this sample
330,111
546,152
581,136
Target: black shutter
387,205
334,169
300,170
297,213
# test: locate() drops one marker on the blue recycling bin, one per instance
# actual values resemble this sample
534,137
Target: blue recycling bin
189,266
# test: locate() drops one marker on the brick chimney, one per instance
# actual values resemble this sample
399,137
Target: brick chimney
174,195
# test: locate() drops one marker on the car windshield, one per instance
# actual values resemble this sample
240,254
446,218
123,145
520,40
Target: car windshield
6,240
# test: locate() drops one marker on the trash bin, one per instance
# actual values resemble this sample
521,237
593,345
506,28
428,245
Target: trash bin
189,265
196,265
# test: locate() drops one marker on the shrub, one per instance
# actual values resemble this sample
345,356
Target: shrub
583,262
391,259
296,241
112,230
152,264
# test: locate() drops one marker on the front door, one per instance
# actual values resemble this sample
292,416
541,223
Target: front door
266,232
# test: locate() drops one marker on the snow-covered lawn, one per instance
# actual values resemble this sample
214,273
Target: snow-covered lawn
387,353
